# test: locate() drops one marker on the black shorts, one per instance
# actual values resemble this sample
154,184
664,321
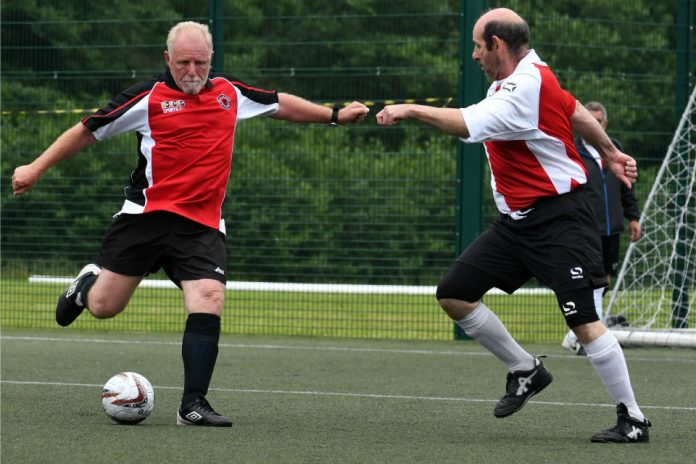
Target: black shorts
140,244
610,250
557,243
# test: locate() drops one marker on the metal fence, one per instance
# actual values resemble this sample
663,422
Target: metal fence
331,231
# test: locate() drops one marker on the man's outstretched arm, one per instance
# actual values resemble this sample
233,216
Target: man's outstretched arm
66,145
296,109
448,120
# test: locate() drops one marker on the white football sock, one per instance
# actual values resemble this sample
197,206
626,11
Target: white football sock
484,326
607,358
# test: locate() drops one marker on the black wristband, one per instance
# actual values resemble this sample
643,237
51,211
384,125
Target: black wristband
334,116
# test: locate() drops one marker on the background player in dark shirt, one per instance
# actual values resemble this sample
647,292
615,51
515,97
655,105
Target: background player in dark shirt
612,202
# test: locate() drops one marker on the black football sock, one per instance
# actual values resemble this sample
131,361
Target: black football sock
83,291
199,350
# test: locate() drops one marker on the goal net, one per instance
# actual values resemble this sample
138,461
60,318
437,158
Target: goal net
655,292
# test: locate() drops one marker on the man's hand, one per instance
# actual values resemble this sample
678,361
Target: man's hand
392,114
24,178
625,168
634,228
355,112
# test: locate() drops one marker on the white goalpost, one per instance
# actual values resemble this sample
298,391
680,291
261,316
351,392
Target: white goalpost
655,291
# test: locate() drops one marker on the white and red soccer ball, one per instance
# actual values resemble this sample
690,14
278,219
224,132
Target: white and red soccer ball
128,398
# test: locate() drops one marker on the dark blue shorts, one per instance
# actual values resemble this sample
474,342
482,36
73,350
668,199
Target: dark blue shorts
141,244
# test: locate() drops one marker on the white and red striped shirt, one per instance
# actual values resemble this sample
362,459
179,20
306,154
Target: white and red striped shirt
185,142
525,126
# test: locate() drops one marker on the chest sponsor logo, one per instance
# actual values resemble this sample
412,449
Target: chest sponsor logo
510,86
224,101
172,106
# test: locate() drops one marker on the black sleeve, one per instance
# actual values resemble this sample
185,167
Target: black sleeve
629,202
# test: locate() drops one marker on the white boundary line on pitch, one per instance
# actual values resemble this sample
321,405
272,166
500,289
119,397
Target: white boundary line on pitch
303,287
348,349
351,395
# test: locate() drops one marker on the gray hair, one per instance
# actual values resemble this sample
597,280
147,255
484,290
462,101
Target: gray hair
189,26
596,106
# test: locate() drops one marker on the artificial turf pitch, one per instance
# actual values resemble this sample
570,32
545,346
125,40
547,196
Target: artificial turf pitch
324,400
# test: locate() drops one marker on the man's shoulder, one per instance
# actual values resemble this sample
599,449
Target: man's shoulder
222,77
254,93
144,85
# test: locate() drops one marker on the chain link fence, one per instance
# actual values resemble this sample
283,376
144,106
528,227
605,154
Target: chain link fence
330,231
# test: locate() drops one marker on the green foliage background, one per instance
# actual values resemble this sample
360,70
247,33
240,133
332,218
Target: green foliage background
359,204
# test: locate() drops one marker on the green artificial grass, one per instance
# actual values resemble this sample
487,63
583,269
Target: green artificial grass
329,400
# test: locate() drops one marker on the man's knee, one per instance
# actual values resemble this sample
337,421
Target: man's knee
589,332
204,296
457,309
110,293
104,306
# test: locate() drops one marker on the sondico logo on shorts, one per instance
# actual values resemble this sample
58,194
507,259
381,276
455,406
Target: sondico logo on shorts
569,308
576,273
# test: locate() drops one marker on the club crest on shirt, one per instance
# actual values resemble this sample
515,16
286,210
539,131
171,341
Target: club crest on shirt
173,106
224,101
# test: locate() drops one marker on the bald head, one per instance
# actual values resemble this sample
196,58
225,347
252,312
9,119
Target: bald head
501,14
506,25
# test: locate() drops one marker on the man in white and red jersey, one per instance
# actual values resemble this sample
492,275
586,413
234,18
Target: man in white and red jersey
546,228
185,123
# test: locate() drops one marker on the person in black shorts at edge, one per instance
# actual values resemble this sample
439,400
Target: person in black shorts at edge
546,228
171,218
612,202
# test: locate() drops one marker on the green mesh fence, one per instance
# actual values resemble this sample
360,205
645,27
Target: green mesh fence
331,231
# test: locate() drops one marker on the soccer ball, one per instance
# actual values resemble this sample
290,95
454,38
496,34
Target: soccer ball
128,398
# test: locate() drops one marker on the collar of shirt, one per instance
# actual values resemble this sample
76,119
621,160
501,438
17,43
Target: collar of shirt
595,154
530,59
